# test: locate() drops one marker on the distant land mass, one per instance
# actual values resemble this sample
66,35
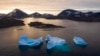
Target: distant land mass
69,14
43,25
79,16
6,21
11,19
17,13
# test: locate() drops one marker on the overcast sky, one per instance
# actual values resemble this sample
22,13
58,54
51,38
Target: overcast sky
49,4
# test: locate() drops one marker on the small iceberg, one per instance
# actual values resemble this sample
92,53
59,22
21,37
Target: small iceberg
57,44
80,41
25,41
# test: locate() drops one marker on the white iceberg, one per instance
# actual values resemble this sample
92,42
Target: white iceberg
79,41
53,42
25,41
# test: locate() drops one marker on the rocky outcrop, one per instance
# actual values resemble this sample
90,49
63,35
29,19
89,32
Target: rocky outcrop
79,16
43,25
38,15
17,13
46,15
69,13
7,21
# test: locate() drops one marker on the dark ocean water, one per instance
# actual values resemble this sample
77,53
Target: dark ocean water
90,31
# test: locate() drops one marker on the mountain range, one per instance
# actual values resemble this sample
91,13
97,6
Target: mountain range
65,14
79,16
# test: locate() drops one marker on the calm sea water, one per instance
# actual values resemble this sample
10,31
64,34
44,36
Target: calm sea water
89,31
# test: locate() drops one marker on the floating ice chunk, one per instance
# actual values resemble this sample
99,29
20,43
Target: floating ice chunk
79,41
25,41
48,37
37,42
57,44
52,42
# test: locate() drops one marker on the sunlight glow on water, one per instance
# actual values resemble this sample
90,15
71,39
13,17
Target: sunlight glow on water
89,31
28,20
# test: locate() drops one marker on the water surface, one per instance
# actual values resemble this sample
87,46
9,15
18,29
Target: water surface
90,31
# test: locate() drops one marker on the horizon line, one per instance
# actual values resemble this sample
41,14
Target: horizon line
45,10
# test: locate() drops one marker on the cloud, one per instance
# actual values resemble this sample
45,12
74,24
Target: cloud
49,4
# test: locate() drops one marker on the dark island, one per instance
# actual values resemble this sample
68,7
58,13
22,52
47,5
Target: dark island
43,25
6,21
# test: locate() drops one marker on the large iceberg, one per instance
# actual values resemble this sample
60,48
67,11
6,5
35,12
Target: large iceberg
25,41
57,43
